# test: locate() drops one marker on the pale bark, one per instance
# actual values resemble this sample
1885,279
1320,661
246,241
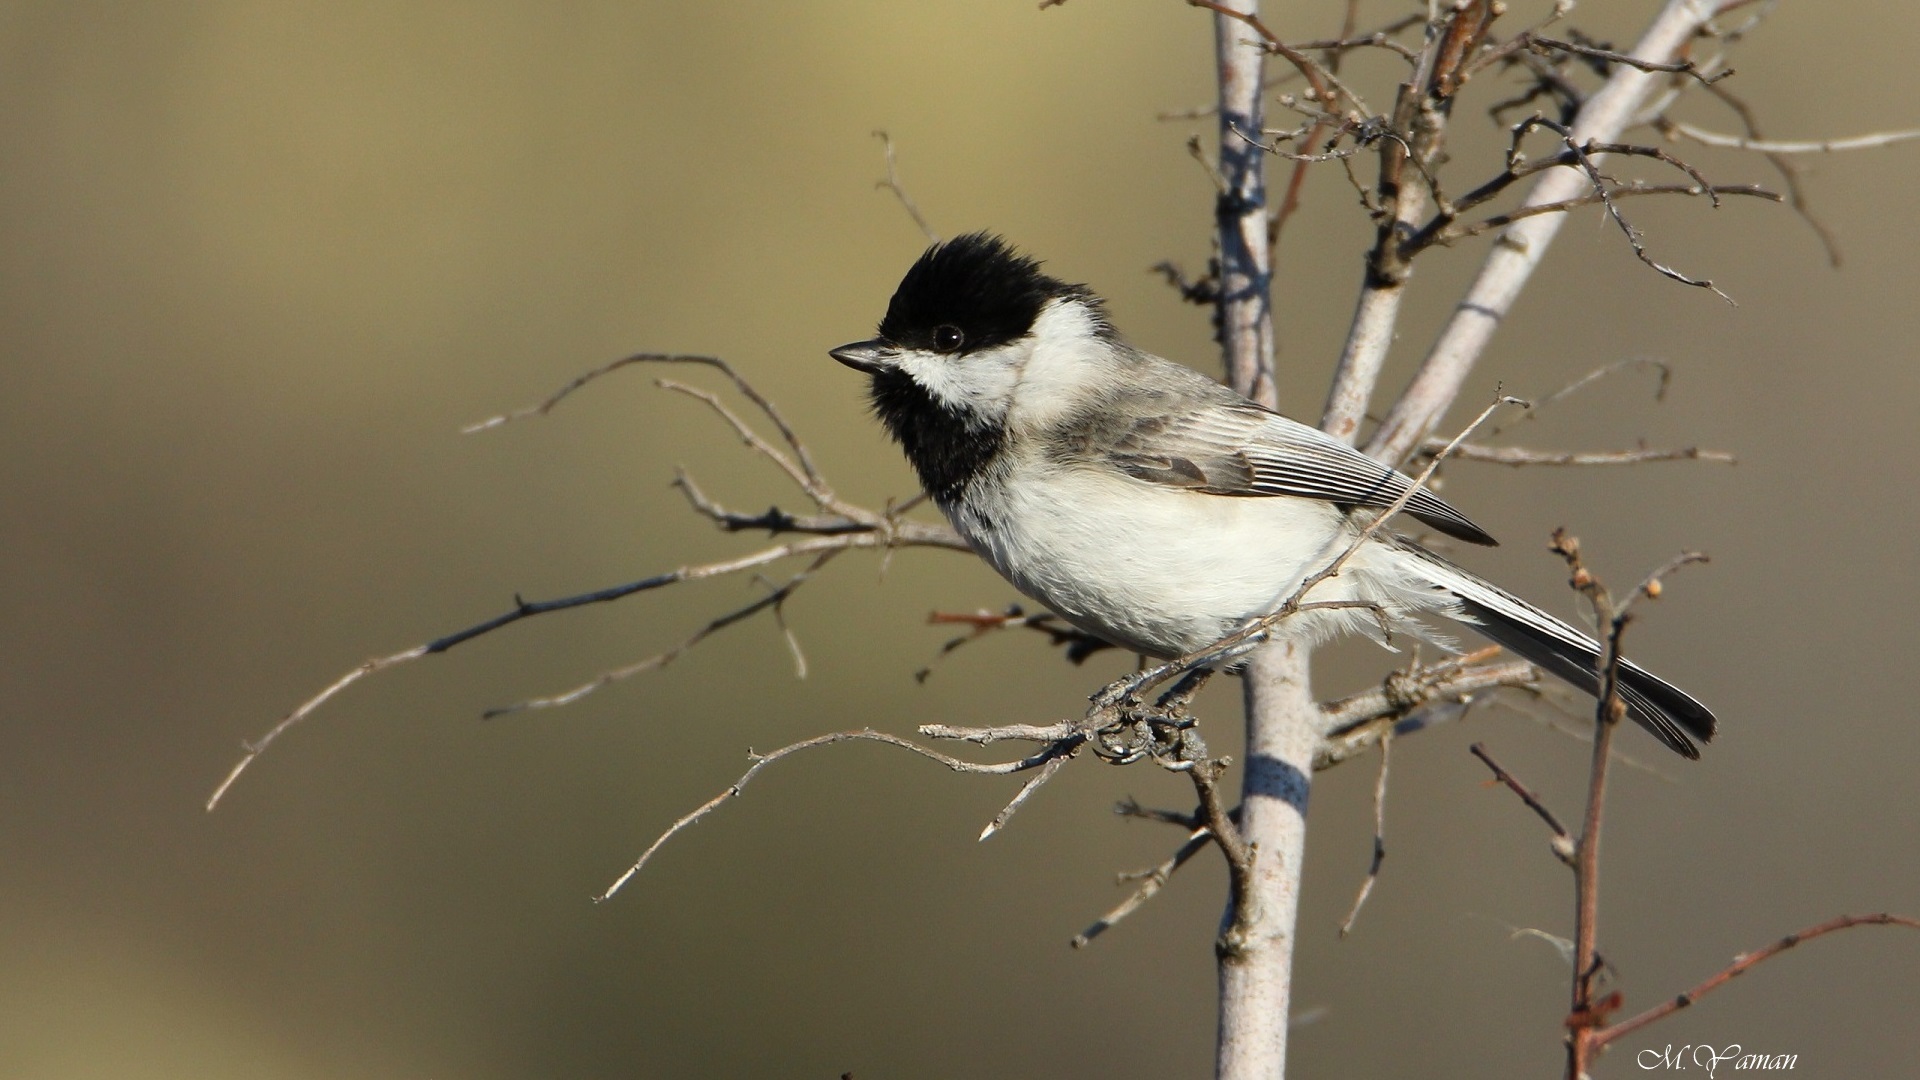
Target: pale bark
1284,730
1524,243
1256,948
1283,719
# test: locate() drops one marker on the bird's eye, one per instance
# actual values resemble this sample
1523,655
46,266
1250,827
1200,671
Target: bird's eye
947,338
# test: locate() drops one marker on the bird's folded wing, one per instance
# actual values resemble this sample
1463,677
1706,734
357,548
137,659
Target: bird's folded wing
1246,450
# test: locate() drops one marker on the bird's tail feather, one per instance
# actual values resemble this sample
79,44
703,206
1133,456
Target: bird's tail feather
1670,713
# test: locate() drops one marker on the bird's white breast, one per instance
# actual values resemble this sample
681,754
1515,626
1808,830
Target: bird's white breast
1159,570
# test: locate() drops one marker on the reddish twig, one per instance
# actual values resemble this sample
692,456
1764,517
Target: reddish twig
1740,966
1563,844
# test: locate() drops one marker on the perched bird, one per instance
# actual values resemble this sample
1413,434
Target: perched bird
1156,509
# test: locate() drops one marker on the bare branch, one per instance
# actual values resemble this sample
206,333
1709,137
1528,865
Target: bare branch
776,521
1406,704
523,609
1335,48
1650,586
1518,455
1632,234
1040,733
1004,768
1588,1010
1445,228
1060,752
1563,844
1741,964
766,407
1783,164
1525,242
1450,232
1774,146
1541,404
1379,837
1332,53
892,183
772,601
805,479
1419,127
1206,775
1151,882
799,467
1326,86
259,746
1679,67
1246,264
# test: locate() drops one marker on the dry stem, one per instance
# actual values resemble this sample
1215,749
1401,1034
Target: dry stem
1046,757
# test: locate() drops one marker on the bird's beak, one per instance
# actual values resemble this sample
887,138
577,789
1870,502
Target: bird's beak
872,357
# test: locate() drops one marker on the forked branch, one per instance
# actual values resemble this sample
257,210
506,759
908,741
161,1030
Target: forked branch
842,526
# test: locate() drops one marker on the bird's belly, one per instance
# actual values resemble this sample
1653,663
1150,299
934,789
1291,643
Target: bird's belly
1153,569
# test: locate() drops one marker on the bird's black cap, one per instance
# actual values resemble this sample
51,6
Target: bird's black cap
977,284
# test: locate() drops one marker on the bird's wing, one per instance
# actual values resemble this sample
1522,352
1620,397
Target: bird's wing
1243,449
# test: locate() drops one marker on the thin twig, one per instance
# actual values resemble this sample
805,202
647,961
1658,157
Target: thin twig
1456,231
1296,183
772,601
776,521
1741,964
1206,776
846,527
1678,67
1061,751
1542,404
766,407
800,467
892,183
1789,171
1379,836
256,747
760,761
1519,455
1632,234
1524,244
1444,226
1650,586
804,478
1562,843
1151,882
1327,88
1418,111
1777,146
524,609
1587,1011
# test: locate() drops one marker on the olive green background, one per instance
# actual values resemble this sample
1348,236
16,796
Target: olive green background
258,264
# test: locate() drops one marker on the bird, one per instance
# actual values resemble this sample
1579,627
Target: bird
1160,511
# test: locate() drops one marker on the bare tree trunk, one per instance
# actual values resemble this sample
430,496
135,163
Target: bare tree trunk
1256,948
1256,944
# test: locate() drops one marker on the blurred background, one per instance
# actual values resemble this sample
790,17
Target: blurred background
260,262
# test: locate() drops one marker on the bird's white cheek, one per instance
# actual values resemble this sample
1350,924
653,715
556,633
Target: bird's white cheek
979,386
